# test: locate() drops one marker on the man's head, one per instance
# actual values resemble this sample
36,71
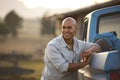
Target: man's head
69,28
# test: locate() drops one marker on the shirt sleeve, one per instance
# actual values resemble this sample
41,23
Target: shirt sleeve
88,45
54,56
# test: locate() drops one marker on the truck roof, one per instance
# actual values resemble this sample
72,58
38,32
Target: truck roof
106,10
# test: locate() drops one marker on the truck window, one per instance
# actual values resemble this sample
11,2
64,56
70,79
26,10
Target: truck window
108,23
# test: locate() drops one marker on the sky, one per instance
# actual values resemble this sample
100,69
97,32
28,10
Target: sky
38,8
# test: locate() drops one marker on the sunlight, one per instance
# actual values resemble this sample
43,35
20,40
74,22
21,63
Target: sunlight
101,1
31,3
55,4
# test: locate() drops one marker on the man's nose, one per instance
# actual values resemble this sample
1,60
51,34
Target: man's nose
66,30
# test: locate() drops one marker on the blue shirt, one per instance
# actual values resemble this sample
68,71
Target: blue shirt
58,56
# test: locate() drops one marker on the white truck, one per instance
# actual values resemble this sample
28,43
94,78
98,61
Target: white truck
104,65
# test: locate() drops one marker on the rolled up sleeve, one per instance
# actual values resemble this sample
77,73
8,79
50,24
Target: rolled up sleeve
55,57
88,45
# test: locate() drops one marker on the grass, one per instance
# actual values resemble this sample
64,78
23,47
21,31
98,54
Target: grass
5,63
25,46
37,66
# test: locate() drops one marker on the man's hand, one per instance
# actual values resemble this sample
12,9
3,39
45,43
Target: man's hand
81,64
86,56
94,49
87,59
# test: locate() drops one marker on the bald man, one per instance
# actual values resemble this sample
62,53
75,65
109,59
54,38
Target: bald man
63,54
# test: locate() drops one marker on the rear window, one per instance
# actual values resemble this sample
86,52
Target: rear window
108,23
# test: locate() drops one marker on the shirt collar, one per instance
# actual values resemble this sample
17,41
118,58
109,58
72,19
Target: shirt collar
64,44
62,41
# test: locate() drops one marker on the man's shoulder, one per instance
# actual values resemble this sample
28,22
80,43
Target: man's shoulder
54,41
78,40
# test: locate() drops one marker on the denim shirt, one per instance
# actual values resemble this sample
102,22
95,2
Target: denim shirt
58,56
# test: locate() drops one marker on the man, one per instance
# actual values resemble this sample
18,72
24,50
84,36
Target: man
64,53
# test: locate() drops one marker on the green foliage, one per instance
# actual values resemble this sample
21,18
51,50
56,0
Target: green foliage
13,21
3,29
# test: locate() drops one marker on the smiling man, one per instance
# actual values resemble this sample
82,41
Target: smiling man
63,54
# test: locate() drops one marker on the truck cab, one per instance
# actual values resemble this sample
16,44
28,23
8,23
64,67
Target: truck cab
104,65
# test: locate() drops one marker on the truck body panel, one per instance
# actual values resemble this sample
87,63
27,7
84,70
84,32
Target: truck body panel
104,65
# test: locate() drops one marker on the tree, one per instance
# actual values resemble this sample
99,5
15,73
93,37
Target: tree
3,29
13,21
47,26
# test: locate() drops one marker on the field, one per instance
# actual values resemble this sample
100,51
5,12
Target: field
28,67
37,66
24,44
26,70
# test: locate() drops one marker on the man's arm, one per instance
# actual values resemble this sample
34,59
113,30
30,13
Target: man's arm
76,66
94,49
87,54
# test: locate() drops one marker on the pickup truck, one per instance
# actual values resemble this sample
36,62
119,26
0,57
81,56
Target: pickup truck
104,65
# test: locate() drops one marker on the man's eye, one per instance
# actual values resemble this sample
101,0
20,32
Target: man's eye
64,27
69,27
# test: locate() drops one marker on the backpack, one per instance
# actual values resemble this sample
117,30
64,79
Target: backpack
108,41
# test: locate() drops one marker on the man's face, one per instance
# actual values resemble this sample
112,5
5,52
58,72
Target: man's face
68,29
